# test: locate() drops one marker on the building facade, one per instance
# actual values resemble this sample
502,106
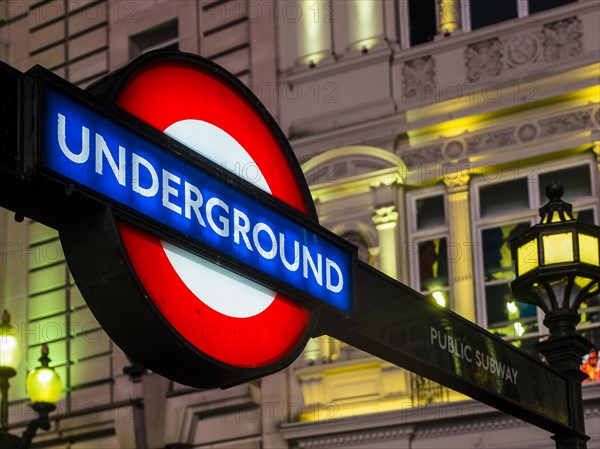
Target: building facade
426,130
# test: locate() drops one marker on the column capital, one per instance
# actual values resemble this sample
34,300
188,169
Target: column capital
457,182
385,216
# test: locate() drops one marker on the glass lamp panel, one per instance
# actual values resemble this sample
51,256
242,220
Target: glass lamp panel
10,352
558,248
582,282
43,385
556,217
588,249
527,257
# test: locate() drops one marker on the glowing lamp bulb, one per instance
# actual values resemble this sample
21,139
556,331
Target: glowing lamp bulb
439,298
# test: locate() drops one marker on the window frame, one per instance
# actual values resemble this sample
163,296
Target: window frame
479,223
416,236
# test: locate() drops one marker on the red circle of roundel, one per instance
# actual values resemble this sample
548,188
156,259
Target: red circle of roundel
162,94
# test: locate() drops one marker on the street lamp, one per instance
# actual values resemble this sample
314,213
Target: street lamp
557,268
43,388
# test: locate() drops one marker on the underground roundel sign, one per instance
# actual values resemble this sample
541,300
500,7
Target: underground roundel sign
182,315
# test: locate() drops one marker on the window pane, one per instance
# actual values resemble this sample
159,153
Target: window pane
497,260
502,197
576,180
433,264
587,216
488,12
421,15
163,36
541,5
430,212
503,310
590,311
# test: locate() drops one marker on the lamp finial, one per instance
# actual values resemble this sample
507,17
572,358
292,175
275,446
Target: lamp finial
554,190
44,359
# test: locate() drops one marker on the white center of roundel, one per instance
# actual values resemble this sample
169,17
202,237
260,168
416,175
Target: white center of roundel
220,289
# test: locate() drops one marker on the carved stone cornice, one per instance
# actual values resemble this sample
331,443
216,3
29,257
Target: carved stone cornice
470,426
469,144
419,77
551,42
363,438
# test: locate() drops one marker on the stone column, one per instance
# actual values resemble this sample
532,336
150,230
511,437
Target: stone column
385,219
460,245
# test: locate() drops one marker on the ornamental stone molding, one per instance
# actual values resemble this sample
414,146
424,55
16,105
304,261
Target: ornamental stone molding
423,155
418,77
362,438
527,133
484,59
385,215
457,181
468,144
491,140
454,149
572,121
553,41
471,426
562,39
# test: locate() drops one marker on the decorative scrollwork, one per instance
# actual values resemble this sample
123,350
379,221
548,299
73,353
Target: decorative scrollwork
562,39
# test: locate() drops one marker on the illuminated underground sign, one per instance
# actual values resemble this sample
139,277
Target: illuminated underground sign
202,277
103,156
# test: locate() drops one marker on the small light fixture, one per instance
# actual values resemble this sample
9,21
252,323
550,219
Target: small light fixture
43,383
43,388
10,356
512,307
10,352
558,267
557,260
439,298
519,329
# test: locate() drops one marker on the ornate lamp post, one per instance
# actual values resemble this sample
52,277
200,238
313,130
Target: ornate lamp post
558,267
43,388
